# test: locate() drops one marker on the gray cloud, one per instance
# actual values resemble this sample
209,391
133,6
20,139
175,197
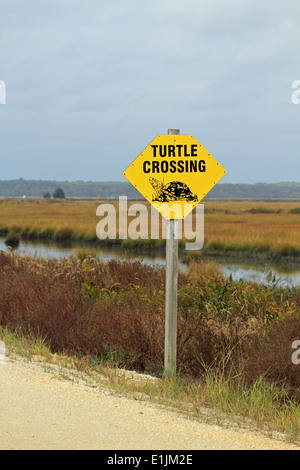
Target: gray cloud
90,84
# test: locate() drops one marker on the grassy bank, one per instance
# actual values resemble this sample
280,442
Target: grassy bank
254,230
234,338
230,226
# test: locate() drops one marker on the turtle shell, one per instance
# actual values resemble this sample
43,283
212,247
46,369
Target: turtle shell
176,190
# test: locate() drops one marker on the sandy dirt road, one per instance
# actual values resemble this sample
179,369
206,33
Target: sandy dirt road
40,411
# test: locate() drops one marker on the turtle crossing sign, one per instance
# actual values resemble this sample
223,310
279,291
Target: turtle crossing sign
174,173
173,170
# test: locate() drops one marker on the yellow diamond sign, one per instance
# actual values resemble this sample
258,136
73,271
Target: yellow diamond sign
174,173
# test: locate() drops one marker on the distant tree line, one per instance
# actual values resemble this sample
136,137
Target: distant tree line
58,194
114,189
38,188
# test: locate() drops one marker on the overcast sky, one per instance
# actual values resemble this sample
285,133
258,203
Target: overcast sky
90,83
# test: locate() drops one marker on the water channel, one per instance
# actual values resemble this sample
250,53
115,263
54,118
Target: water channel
237,270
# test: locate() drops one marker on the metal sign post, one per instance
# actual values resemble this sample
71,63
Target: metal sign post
171,292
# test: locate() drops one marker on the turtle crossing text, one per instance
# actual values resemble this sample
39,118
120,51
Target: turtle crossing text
173,166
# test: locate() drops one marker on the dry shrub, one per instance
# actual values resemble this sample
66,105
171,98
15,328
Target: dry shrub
270,353
198,267
114,311
86,308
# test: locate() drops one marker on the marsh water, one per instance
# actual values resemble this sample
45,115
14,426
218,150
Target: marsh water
238,270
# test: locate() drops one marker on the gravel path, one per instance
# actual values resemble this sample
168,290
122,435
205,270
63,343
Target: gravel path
39,410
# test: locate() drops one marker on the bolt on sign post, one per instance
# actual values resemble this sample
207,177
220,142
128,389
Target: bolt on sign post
174,173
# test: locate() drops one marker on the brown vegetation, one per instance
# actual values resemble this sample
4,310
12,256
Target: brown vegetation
114,312
266,230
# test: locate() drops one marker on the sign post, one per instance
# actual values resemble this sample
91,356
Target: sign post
171,292
174,173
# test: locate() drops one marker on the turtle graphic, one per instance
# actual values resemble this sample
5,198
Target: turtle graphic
173,191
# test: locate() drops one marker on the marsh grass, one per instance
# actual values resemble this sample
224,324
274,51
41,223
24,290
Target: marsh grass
84,252
13,238
80,304
239,228
25,345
